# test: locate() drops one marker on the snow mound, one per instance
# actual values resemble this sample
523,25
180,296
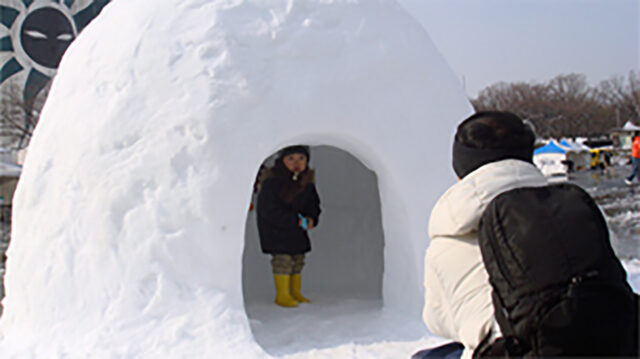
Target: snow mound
129,216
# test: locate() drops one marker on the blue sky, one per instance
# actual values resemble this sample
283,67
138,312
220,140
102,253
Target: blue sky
487,41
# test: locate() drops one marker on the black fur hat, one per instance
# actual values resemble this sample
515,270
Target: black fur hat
491,136
294,149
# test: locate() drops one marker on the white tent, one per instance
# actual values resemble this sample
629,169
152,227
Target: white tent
551,159
130,216
629,126
624,136
577,153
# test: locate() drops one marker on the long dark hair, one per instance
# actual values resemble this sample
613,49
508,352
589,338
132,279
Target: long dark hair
293,185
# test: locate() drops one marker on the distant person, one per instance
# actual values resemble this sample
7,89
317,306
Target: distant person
635,159
288,207
607,167
492,157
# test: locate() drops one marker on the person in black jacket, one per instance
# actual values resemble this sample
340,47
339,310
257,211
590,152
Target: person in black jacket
517,267
288,207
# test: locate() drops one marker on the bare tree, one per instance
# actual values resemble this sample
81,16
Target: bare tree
622,96
566,105
18,116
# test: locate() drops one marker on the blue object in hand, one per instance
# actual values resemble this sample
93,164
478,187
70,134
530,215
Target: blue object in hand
305,222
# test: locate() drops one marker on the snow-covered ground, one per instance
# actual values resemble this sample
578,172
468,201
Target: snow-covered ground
334,327
633,272
620,204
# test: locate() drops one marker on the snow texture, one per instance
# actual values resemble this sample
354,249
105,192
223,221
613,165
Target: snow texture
129,218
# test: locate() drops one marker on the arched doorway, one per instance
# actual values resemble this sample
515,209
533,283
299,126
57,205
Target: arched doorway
345,268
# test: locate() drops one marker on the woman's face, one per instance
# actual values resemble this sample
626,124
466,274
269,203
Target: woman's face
295,162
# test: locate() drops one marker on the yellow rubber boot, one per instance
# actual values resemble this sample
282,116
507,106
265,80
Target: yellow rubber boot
283,296
296,285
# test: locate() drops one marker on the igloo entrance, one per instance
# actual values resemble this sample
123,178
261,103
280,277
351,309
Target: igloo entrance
344,271
346,260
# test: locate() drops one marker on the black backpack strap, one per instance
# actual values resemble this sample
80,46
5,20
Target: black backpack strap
502,314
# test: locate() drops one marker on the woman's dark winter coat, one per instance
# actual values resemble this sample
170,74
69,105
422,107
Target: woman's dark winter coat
278,220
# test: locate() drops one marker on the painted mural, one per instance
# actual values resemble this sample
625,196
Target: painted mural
34,34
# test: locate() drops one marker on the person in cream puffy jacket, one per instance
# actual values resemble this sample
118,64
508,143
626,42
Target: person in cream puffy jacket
492,154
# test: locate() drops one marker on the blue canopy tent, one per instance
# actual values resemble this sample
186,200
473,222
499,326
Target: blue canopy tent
564,143
551,159
551,147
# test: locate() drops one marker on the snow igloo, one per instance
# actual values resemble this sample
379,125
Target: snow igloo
131,228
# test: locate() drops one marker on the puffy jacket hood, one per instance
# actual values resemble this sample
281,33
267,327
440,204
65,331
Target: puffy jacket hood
458,211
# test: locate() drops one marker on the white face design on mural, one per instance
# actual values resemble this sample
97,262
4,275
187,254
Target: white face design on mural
36,34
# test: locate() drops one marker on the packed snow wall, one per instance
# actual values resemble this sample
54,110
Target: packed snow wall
129,221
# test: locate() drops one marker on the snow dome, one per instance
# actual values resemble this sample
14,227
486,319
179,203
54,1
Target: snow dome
131,221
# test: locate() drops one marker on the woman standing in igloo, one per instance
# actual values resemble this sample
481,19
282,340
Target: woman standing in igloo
288,207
